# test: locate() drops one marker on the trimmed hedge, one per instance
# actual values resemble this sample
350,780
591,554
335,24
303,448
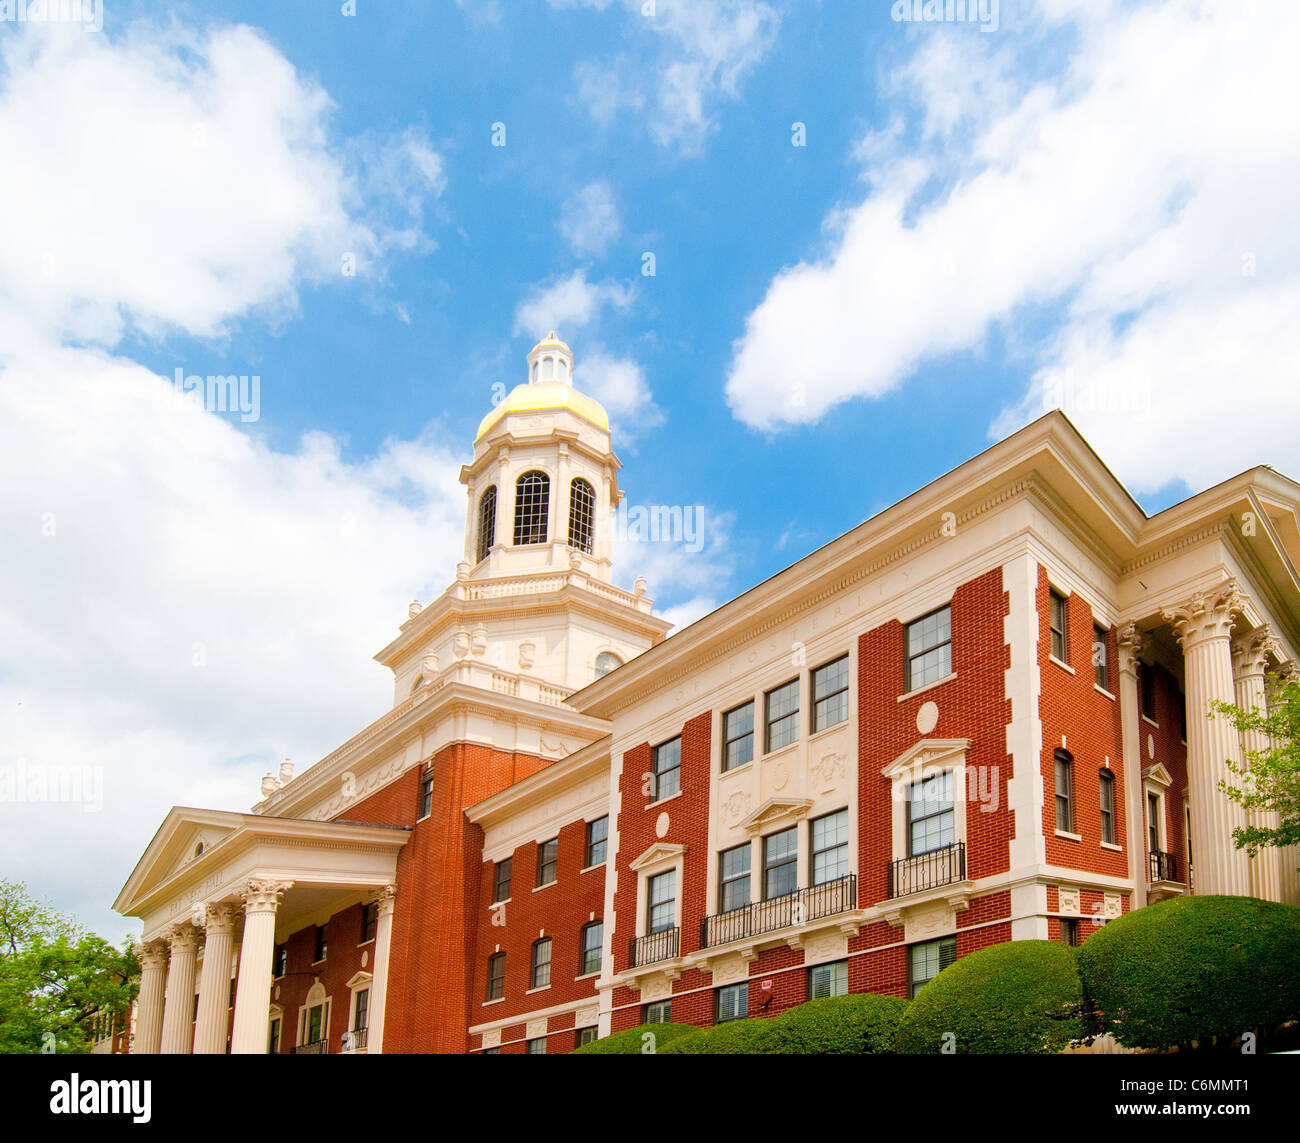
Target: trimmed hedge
857,1024
1194,969
633,1043
1022,997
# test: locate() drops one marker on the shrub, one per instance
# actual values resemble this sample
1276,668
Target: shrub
736,1037
633,1042
1022,997
860,1024
1200,969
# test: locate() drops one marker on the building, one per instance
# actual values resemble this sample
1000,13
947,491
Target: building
977,717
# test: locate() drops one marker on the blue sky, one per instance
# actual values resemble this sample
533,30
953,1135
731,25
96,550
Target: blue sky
1084,205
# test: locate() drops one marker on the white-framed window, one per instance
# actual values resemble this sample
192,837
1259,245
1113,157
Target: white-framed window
731,1003
667,769
828,980
929,648
926,961
1056,620
314,1018
830,694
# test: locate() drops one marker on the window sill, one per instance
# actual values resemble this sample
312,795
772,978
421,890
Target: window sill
539,988
928,686
1112,845
539,888
788,748
1069,836
661,801
1064,666
1103,691
425,818
1151,722
321,961
588,975
496,903
498,1000
827,729
736,769
589,868
368,941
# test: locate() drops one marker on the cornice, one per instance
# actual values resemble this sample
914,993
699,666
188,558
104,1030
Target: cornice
1190,539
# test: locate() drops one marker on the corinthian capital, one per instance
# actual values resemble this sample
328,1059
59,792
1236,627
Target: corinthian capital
1130,641
385,899
219,919
1207,615
182,938
1251,652
152,954
262,895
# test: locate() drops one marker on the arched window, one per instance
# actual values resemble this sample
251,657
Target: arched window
582,511
562,371
606,662
548,368
487,521
532,503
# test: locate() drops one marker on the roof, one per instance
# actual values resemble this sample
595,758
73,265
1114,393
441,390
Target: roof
547,396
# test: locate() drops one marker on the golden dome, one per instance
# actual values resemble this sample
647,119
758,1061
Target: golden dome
547,396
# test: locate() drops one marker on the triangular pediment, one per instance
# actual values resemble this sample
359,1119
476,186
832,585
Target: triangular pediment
927,752
1158,774
359,980
658,852
176,846
775,811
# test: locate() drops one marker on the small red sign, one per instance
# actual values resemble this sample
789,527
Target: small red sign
767,986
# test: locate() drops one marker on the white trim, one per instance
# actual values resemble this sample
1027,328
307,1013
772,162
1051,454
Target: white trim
1063,666
928,686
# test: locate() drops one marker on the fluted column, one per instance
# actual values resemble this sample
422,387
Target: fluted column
253,990
1130,641
178,1009
1250,655
214,981
1203,625
149,1004
379,974
1288,856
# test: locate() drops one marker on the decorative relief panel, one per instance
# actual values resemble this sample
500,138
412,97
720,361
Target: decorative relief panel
736,807
826,946
657,988
1112,907
535,1029
586,1016
827,771
929,921
1068,901
730,969
492,1039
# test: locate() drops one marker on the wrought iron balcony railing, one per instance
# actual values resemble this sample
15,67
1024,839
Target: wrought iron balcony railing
315,1048
930,870
797,908
1162,866
653,947
355,1040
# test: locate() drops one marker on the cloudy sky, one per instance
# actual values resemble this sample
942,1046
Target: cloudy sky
809,255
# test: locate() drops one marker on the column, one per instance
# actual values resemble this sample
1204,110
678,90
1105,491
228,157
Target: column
1203,625
253,990
214,981
379,971
178,1010
1288,856
149,1004
1250,655
1130,641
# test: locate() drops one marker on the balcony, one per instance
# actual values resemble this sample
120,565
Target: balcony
655,947
794,909
1162,877
315,1048
932,870
354,1040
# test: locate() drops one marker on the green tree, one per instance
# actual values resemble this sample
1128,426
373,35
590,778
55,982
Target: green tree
56,977
1269,778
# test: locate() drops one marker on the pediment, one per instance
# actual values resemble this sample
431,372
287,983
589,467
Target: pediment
927,752
1158,774
175,847
359,980
774,811
659,852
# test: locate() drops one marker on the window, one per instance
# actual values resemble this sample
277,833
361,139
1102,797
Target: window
1153,822
496,978
1108,807
782,715
830,694
547,853
281,959
322,941
230,1003
926,961
660,1012
830,847
540,975
369,918
1182,715
597,835
1100,664
582,511
931,823
587,1035
828,980
537,1047
732,1003
315,1024
663,902
487,522
667,770
532,503
1070,931
1056,619
426,794
605,662
1064,792
501,881
929,648
593,937
737,737
496,1051
781,863
275,1036
733,878
361,1010
1148,680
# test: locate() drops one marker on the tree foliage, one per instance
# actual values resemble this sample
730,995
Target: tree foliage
646,1039
1269,779
56,977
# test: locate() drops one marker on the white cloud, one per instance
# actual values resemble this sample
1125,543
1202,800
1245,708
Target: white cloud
590,220
1126,191
619,384
702,51
568,304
